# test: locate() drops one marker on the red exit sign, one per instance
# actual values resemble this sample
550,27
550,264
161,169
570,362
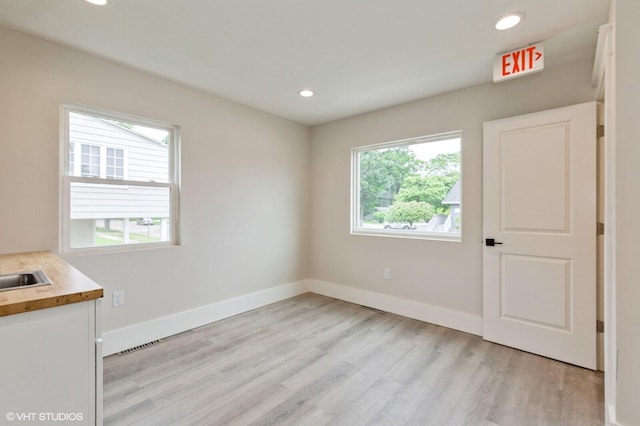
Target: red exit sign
518,62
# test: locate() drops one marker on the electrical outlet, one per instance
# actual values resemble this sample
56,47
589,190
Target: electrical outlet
387,273
118,298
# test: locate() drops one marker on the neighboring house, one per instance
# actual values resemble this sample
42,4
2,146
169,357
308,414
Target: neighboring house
436,223
452,224
104,149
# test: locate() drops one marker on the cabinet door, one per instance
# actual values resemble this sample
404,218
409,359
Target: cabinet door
49,364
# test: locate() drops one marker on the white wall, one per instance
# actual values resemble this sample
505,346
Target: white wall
444,274
627,134
245,181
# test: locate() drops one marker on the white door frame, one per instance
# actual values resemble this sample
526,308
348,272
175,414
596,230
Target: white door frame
604,81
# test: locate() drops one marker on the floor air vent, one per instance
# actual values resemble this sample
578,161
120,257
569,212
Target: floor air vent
137,348
373,309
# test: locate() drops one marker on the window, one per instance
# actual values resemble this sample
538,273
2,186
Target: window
119,181
115,163
408,188
97,161
90,160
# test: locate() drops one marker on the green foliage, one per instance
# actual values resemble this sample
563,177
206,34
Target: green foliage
120,123
383,171
430,189
379,216
398,174
442,172
411,212
443,165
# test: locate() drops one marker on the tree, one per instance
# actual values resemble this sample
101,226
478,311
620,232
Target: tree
429,189
441,173
411,212
443,165
124,124
399,162
384,170
373,181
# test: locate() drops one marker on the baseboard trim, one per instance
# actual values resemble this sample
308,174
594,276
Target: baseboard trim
610,415
115,341
433,314
128,337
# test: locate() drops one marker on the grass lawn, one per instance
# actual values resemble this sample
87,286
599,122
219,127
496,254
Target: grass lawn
102,241
111,238
141,238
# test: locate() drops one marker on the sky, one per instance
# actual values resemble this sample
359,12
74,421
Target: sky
426,151
155,134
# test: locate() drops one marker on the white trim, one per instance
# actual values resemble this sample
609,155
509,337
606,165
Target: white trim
355,226
607,57
128,337
455,237
433,314
599,62
67,177
610,416
99,366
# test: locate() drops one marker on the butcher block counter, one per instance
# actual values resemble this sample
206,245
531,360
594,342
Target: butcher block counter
68,284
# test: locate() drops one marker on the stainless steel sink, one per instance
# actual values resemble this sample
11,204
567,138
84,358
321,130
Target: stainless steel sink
23,280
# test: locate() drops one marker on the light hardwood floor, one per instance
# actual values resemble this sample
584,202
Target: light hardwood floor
313,360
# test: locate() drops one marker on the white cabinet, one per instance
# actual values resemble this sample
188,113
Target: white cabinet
51,365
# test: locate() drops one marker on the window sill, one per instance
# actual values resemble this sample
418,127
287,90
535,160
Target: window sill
87,251
409,234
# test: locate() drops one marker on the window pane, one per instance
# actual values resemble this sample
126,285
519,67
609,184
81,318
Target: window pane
115,169
409,189
147,148
102,215
90,160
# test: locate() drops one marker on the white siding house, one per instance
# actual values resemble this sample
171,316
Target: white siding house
101,148
452,200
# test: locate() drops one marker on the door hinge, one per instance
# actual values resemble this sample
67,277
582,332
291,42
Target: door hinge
599,326
600,228
600,130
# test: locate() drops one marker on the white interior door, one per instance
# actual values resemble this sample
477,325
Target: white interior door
539,280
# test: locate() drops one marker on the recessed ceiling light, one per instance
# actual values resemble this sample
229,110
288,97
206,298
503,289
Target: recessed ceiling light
97,2
306,93
509,21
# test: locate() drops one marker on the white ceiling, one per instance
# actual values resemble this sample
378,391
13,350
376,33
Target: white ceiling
358,55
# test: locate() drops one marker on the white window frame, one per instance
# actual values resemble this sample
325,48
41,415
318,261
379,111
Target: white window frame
355,227
68,177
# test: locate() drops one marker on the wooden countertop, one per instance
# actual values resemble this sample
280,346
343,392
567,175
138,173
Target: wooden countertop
69,284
